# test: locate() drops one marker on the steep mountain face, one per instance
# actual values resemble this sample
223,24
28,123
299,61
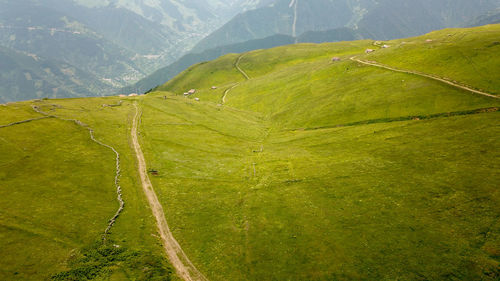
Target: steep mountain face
402,18
25,76
197,17
53,35
489,18
383,19
121,26
281,17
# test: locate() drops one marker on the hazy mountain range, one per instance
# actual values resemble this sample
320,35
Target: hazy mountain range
109,44
320,21
381,19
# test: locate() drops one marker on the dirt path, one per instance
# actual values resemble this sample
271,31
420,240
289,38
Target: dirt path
376,64
118,170
227,91
237,65
183,266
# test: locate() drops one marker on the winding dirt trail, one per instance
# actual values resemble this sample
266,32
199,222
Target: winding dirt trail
227,91
376,64
237,65
183,266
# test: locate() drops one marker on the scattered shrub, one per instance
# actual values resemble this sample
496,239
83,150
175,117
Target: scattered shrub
101,260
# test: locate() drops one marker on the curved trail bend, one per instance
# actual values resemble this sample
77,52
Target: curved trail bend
237,66
227,91
424,75
183,266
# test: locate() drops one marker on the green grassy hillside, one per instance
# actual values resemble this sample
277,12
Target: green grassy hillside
295,167
372,199
58,194
464,55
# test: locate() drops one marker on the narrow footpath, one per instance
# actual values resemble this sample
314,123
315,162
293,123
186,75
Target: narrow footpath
376,64
183,266
237,66
227,91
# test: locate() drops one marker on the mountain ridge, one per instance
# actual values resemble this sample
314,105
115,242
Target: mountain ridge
383,20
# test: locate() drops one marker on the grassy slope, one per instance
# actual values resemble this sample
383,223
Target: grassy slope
259,189
28,215
66,181
465,55
356,200
401,200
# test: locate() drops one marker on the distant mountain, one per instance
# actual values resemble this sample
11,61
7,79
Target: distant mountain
196,18
382,19
489,18
332,35
27,76
118,42
164,74
281,17
53,35
391,19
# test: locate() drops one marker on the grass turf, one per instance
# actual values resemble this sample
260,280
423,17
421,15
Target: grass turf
311,170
